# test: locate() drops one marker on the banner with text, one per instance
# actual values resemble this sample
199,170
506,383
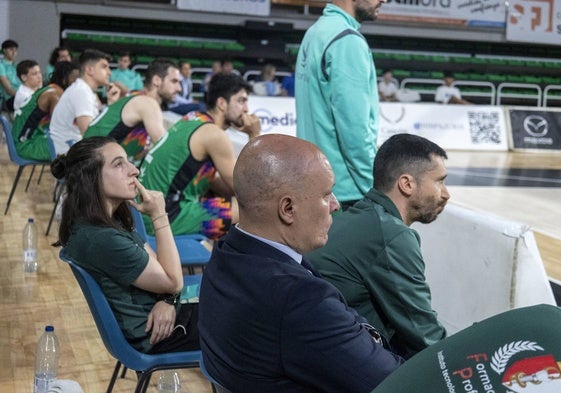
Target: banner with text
455,127
534,21
245,7
456,12
535,129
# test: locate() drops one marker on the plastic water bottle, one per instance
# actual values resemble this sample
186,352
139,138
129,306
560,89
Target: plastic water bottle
46,360
169,382
30,246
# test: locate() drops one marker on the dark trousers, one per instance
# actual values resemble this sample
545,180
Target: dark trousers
185,336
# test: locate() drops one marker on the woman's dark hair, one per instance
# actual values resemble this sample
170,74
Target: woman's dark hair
62,71
81,168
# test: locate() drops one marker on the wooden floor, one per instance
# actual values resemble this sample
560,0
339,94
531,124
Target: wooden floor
30,301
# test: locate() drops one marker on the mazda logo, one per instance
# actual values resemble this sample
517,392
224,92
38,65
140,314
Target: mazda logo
535,125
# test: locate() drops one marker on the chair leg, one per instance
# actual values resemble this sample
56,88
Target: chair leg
30,177
16,180
61,191
114,377
124,372
143,382
41,174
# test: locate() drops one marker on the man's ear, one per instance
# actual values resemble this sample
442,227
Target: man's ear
222,104
406,184
156,81
286,209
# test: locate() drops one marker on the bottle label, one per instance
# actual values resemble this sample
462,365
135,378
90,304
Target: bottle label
29,255
42,383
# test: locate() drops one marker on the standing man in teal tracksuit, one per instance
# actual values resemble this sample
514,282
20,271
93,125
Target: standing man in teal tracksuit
336,95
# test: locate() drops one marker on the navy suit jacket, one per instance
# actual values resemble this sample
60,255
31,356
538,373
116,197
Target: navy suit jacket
268,324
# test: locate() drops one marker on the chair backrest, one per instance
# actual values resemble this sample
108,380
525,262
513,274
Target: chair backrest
14,156
190,249
139,223
109,329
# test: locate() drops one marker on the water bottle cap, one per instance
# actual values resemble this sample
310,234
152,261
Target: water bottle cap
49,328
30,220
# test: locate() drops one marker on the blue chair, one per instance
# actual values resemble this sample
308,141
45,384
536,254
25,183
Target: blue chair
16,159
191,252
114,340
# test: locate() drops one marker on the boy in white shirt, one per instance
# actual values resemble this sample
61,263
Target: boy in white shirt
448,94
79,104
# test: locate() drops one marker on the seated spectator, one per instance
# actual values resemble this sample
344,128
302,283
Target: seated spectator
268,84
31,122
79,104
268,321
184,102
96,230
216,69
227,66
183,164
287,84
31,79
9,81
60,53
387,88
126,79
374,258
448,94
137,121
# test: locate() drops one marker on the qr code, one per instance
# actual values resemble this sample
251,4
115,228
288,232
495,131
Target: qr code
484,128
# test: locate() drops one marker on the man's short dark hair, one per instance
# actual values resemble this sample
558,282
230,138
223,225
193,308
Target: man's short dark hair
24,66
449,74
403,153
9,44
92,56
225,85
160,67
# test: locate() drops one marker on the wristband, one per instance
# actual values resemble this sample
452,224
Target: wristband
169,298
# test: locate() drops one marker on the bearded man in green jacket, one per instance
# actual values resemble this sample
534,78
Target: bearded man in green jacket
374,258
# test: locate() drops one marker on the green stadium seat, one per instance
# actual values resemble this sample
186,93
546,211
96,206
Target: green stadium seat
421,74
552,64
77,37
100,38
515,63
401,57
439,59
532,79
461,75
169,42
190,44
401,73
534,63
234,46
420,57
124,40
381,55
148,41
142,59
213,45
515,78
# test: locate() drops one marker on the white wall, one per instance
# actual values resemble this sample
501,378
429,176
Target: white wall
34,25
4,26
